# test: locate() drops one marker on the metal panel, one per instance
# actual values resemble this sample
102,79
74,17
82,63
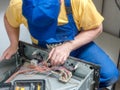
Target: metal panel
85,76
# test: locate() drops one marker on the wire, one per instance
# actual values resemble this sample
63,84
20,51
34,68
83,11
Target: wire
63,74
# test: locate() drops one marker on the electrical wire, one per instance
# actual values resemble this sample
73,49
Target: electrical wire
62,72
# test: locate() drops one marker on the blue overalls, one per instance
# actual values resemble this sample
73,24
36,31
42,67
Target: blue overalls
89,52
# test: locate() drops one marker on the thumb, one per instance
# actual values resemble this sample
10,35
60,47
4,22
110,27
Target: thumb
8,56
1,58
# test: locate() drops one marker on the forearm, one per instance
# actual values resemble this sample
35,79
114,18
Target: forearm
84,37
13,33
59,54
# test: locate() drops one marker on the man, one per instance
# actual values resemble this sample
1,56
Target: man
72,33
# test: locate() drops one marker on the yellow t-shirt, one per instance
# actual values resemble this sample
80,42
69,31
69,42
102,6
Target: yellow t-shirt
84,13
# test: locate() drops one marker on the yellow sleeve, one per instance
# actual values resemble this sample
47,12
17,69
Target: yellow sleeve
90,17
14,13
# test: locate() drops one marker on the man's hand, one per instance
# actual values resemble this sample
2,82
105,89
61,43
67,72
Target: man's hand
8,52
58,55
13,34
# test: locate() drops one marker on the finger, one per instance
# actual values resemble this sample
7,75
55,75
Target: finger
1,58
59,60
8,56
51,53
64,59
53,59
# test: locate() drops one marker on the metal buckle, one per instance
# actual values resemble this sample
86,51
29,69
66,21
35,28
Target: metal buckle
50,46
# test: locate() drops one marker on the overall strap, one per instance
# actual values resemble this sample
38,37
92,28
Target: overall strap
69,13
68,6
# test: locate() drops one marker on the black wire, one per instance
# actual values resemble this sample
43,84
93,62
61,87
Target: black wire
118,3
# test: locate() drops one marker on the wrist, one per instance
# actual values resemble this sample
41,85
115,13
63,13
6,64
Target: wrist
69,45
14,45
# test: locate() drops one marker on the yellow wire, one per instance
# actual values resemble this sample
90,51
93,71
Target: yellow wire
17,88
38,87
22,88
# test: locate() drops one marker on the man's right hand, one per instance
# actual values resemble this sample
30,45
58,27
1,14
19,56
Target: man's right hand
11,50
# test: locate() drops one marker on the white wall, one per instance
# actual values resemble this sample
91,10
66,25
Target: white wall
4,41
